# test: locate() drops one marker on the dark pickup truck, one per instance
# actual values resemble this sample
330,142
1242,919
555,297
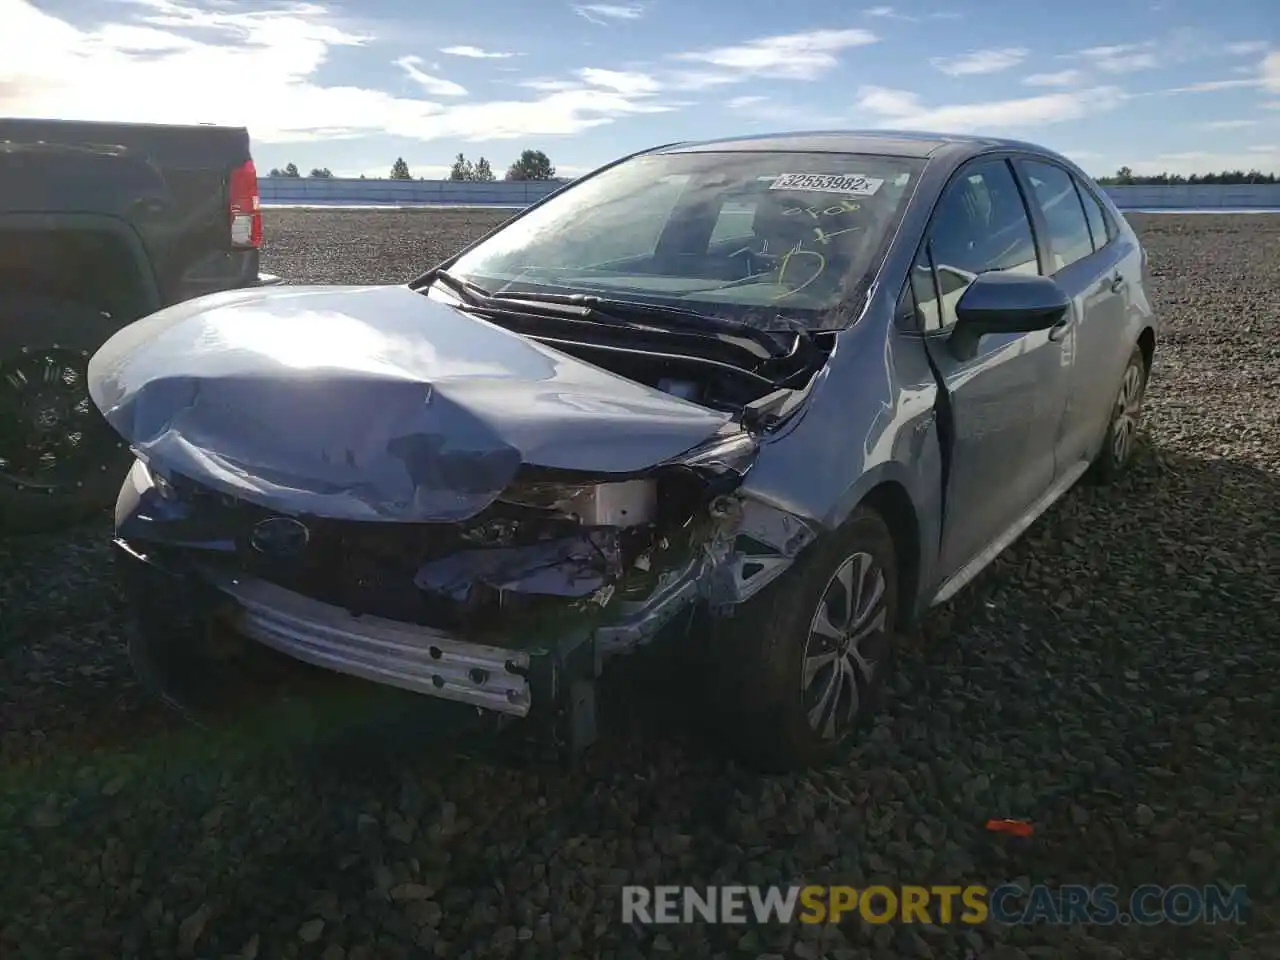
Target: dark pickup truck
101,224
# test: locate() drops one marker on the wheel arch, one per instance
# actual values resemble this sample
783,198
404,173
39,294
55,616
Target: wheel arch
893,504
1147,344
96,260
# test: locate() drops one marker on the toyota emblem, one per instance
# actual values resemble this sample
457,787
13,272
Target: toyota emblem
279,537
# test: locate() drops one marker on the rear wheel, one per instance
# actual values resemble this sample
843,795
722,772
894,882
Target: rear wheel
1122,430
59,460
801,668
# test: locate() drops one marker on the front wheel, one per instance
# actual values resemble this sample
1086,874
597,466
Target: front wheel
1122,429
802,666
60,461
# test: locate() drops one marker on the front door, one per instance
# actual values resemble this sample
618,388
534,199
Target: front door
1006,400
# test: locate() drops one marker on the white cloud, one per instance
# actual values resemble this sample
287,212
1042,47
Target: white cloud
1121,57
795,56
980,61
703,79
1209,86
888,13
1265,158
172,61
1265,76
621,81
889,103
1063,78
892,13
903,109
1245,48
549,84
782,112
431,85
476,53
1270,70
1230,124
604,13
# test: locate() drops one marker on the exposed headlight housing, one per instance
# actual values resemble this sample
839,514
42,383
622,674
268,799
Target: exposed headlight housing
626,503
732,453
159,482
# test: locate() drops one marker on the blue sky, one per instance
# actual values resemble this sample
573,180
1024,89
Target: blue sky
1155,84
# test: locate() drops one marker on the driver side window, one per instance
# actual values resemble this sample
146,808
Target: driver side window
980,224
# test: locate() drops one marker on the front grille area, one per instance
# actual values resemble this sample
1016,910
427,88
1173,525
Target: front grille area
368,568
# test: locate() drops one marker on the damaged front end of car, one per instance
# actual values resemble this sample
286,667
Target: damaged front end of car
378,486
514,610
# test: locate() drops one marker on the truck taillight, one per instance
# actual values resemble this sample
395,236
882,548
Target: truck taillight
246,206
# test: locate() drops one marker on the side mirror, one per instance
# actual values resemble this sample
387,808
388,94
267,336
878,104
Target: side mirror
1002,302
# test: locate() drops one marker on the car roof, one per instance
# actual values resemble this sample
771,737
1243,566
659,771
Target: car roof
898,143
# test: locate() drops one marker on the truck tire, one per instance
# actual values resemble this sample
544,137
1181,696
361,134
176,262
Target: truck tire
809,626
60,462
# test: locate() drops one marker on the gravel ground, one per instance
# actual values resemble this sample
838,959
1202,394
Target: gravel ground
1113,678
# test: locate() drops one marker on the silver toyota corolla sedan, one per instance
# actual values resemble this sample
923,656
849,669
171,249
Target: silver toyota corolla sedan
772,396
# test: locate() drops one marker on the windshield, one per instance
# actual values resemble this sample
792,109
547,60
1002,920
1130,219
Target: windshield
775,239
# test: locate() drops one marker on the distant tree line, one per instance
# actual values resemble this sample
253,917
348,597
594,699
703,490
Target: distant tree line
531,165
291,170
1125,177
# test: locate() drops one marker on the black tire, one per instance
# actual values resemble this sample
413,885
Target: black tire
758,656
60,463
1120,441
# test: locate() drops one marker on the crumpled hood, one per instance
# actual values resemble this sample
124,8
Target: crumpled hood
371,403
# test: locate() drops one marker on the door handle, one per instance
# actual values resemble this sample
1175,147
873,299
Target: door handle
1059,329
1117,283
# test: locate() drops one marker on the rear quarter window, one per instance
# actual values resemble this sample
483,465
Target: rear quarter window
1099,226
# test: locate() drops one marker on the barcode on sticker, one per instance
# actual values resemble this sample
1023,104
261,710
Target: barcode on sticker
856,185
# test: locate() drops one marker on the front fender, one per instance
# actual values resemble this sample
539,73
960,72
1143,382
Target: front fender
870,421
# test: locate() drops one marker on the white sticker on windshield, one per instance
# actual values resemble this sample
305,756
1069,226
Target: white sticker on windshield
855,186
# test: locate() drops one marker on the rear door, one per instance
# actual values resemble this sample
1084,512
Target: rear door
1002,457
1085,263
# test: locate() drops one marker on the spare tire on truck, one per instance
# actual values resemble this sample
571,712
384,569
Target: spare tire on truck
60,462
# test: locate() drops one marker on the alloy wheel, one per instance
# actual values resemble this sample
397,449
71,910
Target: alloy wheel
846,644
1124,428
51,436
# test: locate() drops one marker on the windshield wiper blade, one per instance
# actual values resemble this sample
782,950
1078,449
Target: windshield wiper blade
465,290
684,320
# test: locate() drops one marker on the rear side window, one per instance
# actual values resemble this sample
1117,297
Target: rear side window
1054,191
980,224
1097,218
